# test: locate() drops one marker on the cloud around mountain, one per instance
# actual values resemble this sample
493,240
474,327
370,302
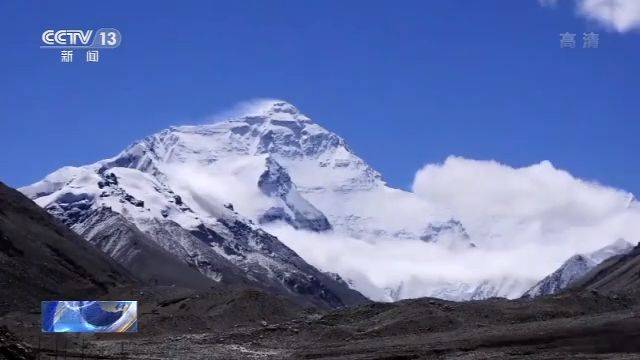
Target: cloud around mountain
250,107
526,222
619,15
467,229
528,203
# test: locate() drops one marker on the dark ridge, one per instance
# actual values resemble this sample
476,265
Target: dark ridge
41,259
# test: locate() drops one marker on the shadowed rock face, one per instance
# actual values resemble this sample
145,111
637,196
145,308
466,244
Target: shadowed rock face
40,258
114,235
295,210
12,348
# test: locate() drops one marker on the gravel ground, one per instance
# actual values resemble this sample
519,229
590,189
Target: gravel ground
570,326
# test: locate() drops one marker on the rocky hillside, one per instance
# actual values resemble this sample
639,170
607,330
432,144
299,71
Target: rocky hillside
618,275
41,258
576,267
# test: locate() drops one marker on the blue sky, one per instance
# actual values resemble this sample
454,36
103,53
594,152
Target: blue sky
406,85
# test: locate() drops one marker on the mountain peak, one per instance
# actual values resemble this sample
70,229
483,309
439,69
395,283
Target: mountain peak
273,127
270,109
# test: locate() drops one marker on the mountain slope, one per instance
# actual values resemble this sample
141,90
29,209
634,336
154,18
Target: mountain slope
145,185
275,182
267,165
575,268
124,242
273,164
42,259
618,274
223,162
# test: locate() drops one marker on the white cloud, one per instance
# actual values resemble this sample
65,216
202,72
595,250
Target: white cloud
619,15
244,108
548,3
538,203
423,269
526,222
540,194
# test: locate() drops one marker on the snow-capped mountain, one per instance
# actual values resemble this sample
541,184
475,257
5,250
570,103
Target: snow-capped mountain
450,233
275,143
154,193
508,287
206,193
576,267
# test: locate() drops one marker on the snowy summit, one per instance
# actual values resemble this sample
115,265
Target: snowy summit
221,197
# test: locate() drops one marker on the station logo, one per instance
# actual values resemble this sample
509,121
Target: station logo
89,41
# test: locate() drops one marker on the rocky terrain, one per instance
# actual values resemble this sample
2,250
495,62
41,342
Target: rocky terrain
586,326
618,274
597,318
180,222
41,258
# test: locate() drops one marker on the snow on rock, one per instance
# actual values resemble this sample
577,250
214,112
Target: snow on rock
501,287
505,287
450,233
269,163
575,268
295,210
176,187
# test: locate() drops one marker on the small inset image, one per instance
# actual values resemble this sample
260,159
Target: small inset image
89,316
